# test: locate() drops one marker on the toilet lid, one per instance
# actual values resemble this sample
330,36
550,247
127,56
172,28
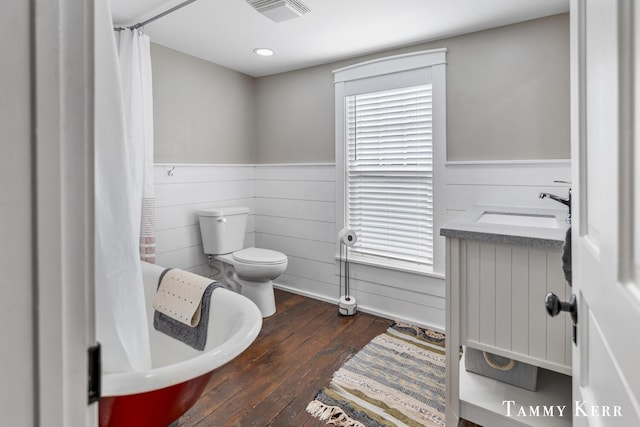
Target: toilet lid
259,256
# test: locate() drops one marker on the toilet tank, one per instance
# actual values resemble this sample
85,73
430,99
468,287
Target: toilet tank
223,229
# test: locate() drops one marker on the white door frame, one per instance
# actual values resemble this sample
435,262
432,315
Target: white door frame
62,85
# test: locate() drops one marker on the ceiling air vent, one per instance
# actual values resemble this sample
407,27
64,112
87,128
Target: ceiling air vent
280,10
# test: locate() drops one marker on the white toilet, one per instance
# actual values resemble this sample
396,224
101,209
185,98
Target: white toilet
249,270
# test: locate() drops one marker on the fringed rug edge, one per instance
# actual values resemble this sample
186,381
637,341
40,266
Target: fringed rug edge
331,414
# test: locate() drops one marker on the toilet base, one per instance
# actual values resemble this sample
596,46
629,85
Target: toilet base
261,293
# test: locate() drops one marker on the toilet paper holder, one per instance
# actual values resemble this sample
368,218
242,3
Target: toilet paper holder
347,305
348,237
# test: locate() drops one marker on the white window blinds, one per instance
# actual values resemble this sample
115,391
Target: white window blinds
389,173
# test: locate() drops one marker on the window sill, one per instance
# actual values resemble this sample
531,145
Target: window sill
406,267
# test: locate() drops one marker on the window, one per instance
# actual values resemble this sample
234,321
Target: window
389,173
390,147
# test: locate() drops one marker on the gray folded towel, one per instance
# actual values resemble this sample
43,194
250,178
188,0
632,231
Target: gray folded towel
195,337
566,257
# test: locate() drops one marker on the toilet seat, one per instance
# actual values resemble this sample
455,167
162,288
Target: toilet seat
259,256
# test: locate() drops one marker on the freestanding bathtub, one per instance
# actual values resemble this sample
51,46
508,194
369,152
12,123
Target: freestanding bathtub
179,375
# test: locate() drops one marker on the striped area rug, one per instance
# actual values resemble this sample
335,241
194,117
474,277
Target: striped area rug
396,380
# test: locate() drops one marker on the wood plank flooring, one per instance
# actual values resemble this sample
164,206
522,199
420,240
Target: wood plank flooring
297,351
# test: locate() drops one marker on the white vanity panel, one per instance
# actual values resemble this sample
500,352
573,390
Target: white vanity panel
503,295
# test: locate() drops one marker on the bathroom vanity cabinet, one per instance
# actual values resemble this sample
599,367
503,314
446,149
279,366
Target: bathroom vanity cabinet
501,263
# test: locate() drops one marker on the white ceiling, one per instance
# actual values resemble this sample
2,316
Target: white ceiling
226,31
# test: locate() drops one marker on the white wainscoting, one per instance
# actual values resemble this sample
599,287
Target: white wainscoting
181,190
295,214
293,211
505,183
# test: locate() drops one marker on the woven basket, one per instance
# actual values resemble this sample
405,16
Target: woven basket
501,369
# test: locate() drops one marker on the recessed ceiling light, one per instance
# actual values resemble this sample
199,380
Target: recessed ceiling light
263,51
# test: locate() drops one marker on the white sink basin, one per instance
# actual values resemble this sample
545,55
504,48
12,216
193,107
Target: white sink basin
519,219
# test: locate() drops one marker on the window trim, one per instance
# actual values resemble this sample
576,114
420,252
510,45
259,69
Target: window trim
349,80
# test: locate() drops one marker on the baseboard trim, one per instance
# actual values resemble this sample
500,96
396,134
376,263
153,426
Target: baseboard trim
361,308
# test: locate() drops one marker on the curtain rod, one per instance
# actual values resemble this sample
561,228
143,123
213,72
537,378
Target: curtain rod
153,18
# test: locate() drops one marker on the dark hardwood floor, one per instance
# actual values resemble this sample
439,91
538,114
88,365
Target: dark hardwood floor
297,351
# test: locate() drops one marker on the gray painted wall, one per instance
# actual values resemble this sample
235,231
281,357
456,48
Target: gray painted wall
203,113
507,98
295,117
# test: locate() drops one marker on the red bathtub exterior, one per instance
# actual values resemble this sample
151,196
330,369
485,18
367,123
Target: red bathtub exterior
156,408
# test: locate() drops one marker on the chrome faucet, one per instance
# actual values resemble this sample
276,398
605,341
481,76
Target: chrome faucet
566,202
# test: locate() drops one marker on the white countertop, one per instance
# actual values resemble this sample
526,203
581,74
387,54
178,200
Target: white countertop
548,233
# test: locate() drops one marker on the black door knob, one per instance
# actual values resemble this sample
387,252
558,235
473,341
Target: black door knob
555,306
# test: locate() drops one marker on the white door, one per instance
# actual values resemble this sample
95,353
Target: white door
606,226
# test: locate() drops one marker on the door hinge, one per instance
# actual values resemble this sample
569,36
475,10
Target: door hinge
95,373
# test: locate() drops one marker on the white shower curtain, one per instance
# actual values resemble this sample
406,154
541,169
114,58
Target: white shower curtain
135,69
121,318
